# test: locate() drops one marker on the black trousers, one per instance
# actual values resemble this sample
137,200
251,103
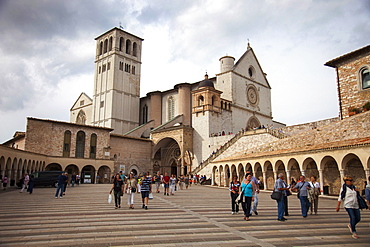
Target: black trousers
234,205
247,206
286,205
117,198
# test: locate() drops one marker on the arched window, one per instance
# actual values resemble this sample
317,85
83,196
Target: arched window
110,43
121,44
128,46
365,78
134,49
67,143
80,144
93,141
105,45
81,117
171,107
213,100
145,114
200,100
101,48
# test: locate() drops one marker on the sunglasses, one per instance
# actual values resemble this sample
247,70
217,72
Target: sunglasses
349,180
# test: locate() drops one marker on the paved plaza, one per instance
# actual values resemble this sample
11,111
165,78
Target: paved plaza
199,216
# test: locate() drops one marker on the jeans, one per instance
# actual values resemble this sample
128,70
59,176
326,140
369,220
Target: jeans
247,206
117,198
305,205
61,189
234,205
281,207
255,203
354,217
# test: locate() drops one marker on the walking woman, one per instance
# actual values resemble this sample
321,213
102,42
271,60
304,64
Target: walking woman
248,189
315,195
118,189
348,194
131,188
234,191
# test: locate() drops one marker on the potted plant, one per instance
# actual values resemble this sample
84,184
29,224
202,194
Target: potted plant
352,111
366,107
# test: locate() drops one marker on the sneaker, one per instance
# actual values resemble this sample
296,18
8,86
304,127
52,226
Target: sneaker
146,207
255,212
349,227
232,212
56,197
354,235
143,206
61,197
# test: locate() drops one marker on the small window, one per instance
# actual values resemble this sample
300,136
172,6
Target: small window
110,44
365,78
101,48
101,104
99,69
200,100
128,46
134,49
105,45
93,141
133,70
121,44
82,102
251,71
108,66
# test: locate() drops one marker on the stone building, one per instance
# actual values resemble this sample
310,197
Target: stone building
219,126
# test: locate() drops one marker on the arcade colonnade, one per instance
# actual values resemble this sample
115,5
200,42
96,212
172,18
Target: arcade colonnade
14,163
329,166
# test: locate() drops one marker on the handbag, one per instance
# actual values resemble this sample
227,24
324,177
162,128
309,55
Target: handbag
110,198
361,202
276,195
240,197
150,196
133,190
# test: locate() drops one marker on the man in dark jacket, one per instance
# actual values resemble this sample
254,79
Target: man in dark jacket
62,179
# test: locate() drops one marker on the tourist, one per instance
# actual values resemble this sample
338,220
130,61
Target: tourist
248,189
367,192
256,192
5,181
73,179
315,195
234,192
61,182
123,176
302,187
118,188
280,185
181,182
31,184
166,183
65,184
146,188
131,187
348,194
26,180
172,184
186,181
78,178
157,180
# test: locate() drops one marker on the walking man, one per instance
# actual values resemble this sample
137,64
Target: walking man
146,188
302,187
61,182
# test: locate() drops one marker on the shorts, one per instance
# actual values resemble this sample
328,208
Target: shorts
144,194
166,185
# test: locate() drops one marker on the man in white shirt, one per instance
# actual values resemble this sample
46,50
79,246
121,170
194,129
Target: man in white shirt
25,182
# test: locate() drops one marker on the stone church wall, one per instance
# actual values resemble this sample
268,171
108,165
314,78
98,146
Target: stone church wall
300,128
133,153
351,94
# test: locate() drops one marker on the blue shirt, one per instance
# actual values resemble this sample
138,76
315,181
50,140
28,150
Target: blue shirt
62,179
302,186
280,184
247,189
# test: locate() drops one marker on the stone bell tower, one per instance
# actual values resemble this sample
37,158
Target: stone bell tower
116,96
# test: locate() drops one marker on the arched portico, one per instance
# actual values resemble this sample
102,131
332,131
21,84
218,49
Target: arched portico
352,166
88,174
53,167
167,156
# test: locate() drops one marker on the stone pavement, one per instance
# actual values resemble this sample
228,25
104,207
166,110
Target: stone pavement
199,216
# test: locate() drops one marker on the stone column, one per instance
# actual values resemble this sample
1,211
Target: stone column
16,177
367,174
9,177
303,172
321,174
341,175
264,181
288,176
275,175
96,177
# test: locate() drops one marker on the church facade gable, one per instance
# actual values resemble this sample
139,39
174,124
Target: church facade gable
81,111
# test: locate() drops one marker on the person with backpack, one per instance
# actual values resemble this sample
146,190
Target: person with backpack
302,188
348,194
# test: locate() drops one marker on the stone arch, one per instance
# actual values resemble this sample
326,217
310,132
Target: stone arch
310,168
128,46
331,175
81,117
134,49
227,175
166,151
72,168
215,176
135,169
240,172
233,171
2,163
280,168
270,178
259,174
352,166
53,167
253,122
88,174
222,176
295,170
248,168
104,173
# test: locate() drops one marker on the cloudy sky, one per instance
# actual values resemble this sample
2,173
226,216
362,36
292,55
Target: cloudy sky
47,49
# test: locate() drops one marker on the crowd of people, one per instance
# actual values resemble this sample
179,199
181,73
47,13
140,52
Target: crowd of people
142,184
308,192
